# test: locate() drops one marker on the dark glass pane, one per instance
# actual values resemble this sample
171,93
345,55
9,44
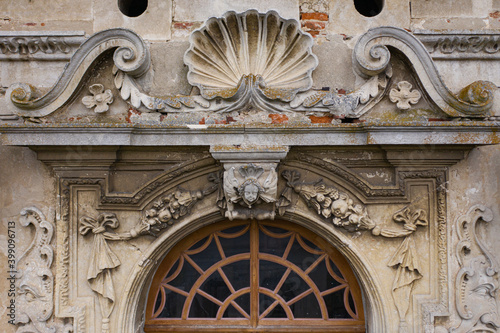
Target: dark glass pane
186,278
271,245
307,307
351,302
335,305
206,258
301,257
238,245
173,269
293,287
203,308
265,302
277,312
336,270
238,273
270,274
322,277
244,302
215,286
231,312
173,305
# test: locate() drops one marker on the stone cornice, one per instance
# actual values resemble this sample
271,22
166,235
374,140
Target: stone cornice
360,134
461,44
39,45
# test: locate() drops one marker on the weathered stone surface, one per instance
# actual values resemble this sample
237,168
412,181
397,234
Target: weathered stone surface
199,10
154,24
393,185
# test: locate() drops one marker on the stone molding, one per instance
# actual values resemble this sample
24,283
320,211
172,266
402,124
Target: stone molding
464,45
39,45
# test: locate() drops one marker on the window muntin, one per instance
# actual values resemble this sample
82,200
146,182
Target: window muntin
254,275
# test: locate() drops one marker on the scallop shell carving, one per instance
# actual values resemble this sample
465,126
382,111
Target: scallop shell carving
238,45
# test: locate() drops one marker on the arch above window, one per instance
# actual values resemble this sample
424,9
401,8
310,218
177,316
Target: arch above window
254,275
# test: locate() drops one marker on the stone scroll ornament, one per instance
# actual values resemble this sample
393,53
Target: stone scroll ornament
477,281
35,284
341,210
162,213
238,61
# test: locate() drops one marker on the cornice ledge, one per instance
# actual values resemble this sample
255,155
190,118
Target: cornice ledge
442,133
131,56
371,56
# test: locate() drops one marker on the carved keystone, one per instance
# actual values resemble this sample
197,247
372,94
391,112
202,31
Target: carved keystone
250,180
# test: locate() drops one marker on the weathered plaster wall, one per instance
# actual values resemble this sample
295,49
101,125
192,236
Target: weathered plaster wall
24,182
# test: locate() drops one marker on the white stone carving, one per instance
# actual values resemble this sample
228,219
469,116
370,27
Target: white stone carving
461,44
131,56
35,286
99,100
274,50
405,260
39,45
404,95
477,281
248,188
326,201
371,56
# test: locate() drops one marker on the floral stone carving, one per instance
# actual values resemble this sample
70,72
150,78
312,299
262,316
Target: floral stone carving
171,207
35,286
99,100
404,96
330,203
477,280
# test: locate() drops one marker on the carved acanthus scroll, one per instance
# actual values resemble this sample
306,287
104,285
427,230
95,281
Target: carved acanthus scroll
35,300
477,281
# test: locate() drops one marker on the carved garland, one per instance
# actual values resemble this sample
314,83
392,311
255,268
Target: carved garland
340,209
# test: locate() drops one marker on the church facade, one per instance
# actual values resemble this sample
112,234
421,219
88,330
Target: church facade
253,166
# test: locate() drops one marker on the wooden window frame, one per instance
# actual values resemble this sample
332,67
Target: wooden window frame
253,323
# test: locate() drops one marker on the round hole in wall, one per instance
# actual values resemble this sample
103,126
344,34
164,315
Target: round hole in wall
132,8
369,8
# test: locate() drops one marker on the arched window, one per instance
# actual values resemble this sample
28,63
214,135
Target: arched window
262,276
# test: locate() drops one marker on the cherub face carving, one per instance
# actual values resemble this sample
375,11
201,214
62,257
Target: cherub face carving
250,193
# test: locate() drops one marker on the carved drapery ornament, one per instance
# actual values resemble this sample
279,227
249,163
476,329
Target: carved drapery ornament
340,209
477,281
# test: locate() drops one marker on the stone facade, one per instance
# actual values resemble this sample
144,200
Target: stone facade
124,133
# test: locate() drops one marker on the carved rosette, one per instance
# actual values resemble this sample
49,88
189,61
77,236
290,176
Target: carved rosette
404,95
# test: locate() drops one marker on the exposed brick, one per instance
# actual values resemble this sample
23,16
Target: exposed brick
314,33
202,121
315,16
183,25
321,120
495,14
312,25
278,118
